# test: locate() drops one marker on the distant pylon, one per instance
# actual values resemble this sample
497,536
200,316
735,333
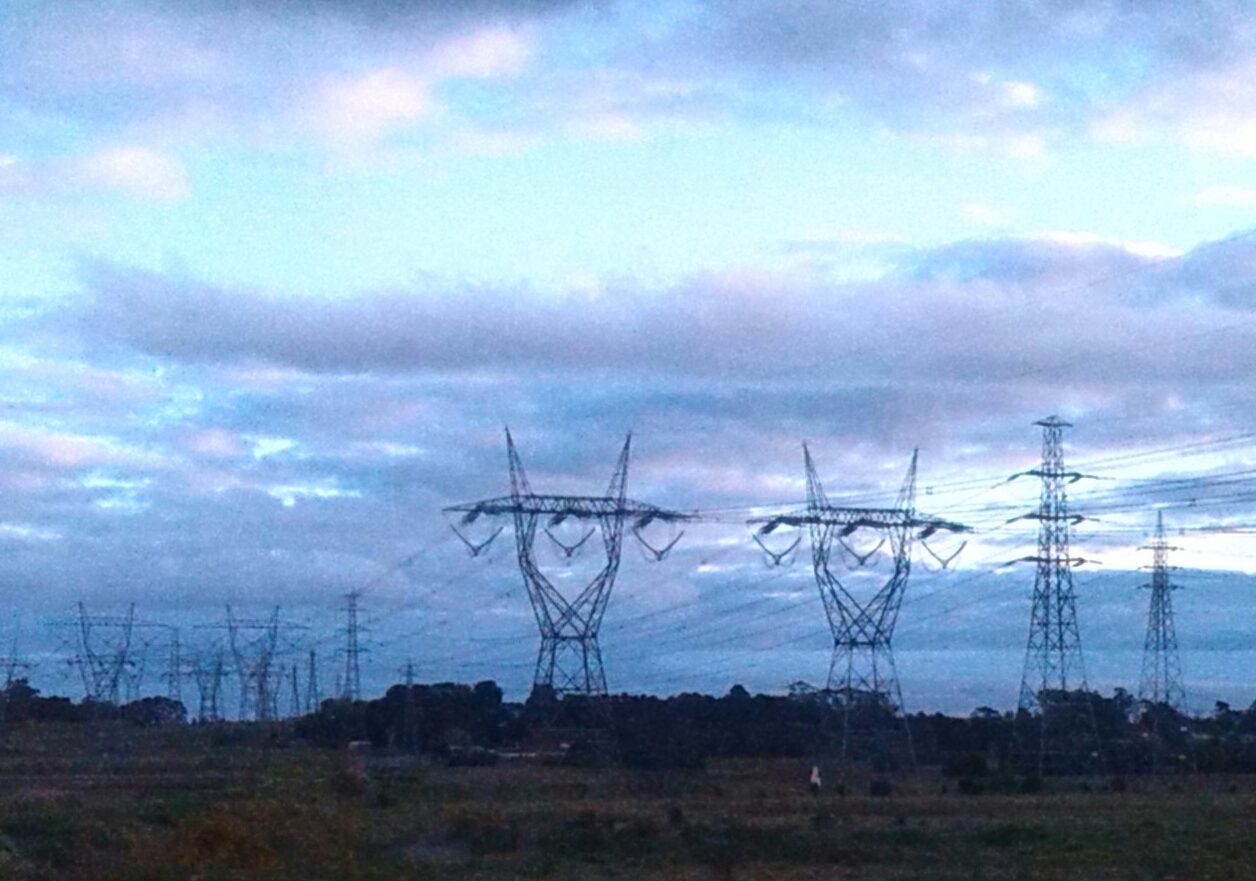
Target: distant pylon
294,706
353,650
312,696
1161,682
103,671
1054,669
174,667
254,661
207,674
408,708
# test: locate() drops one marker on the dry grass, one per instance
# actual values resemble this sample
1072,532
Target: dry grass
124,804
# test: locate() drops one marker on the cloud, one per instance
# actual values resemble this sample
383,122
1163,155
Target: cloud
363,107
483,53
1016,79
1226,195
1000,310
136,171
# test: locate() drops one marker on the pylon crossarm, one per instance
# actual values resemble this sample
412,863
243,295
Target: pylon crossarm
560,508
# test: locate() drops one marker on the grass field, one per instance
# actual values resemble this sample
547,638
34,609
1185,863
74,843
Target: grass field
120,803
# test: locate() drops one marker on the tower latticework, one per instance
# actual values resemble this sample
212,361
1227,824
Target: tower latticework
1053,657
1053,685
570,659
863,681
1161,681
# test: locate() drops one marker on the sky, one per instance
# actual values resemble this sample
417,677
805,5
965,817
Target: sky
275,276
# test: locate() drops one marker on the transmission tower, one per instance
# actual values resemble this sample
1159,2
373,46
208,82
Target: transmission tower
134,668
294,705
408,709
1054,674
174,666
207,674
863,682
312,697
353,650
103,666
253,662
570,660
1161,682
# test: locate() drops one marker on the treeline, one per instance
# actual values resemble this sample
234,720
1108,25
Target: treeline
21,704
1085,732
1077,732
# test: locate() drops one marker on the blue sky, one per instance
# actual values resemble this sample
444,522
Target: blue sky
275,275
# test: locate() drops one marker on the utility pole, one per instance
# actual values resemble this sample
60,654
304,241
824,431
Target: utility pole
863,682
570,659
1054,674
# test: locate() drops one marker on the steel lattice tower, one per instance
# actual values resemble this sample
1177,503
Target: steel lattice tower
569,660
311,685
253,662
1161,682
1053,657
353,650
104,671
1053,687
862,677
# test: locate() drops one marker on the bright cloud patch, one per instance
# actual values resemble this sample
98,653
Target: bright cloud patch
364,107
486,53
136,170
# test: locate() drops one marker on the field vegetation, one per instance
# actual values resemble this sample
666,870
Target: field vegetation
142,797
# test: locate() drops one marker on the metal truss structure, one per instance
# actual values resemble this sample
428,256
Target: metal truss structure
1054,677
207,674
104,664
1161,680
255,664
569,660
352,687
863,682
312,695
1053,656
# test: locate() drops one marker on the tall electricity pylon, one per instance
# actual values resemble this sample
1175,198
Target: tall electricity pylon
103,669
863,681
1053,656
312,696
569,660
174,665
207,670
353,649
254,660
1161,682
1054,669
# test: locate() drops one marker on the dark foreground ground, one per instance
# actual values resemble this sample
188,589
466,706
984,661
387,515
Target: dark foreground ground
129,804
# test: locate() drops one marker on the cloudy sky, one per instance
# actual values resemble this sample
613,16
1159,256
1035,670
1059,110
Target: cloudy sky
274,275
